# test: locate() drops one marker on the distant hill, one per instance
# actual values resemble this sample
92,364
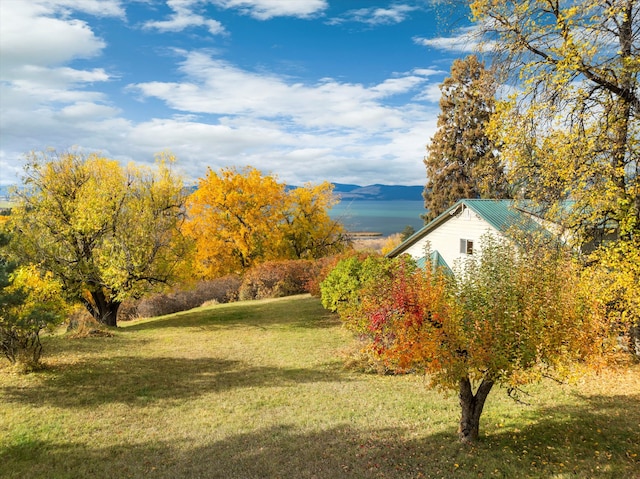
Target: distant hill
378,192
344,191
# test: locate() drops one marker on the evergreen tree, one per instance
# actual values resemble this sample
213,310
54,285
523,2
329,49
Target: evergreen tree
461,160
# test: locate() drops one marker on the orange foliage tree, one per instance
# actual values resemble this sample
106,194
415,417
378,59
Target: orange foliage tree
509,317
309,231
239,218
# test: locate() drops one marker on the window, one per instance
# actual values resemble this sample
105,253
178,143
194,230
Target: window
466,246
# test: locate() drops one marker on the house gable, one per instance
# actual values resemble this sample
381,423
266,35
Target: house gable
454,234
458,232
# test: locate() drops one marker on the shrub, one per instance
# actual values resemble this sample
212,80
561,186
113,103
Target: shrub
324,266
160,304
29,302
128,310
81,324
392,242
321,269
340,289
220,290
274,279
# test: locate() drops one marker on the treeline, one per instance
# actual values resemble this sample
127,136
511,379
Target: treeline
89,231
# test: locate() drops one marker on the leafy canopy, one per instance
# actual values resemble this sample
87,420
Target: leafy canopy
239,218
571,131
29,302
107,232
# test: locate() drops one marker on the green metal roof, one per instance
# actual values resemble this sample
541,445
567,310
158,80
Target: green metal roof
504,215
437,262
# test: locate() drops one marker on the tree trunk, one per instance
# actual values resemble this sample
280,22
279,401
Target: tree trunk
103,310
634,339
472,406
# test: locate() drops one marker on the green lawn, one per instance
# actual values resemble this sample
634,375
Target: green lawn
257,390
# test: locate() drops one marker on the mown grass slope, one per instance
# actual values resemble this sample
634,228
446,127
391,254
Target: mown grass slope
258,390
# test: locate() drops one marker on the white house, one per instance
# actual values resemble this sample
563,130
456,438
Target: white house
457,232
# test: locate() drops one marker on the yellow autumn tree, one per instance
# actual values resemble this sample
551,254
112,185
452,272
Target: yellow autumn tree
107,232
234,218
616,271
309,231
239,218
31,302
574,121
570,135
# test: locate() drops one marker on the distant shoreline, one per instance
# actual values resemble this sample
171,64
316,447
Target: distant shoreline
364,234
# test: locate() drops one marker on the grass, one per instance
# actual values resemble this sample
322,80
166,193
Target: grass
257,390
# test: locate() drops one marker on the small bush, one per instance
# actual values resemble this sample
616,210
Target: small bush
321,269
324,266
30,302
128,310
341,286
160,304
21,346
220,290
275,279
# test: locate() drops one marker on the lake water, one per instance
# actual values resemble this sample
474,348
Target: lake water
386,217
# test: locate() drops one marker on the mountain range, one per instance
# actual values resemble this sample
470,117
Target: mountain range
378,192
355,192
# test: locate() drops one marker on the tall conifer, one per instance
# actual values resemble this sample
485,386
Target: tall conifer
461,160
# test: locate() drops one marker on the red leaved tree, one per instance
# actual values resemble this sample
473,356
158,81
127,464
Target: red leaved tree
509,317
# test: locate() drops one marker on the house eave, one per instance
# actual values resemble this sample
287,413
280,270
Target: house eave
422,232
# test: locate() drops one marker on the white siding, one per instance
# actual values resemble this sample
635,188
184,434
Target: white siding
446,237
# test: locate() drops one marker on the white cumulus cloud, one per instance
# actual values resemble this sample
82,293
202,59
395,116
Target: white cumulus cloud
266,9
183,17
217,87
394,13
207,110
50,40
465,40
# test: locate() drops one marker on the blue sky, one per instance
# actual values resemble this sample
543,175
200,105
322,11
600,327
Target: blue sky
309,90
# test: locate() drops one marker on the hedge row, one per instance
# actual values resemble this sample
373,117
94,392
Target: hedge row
271,279
220,290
